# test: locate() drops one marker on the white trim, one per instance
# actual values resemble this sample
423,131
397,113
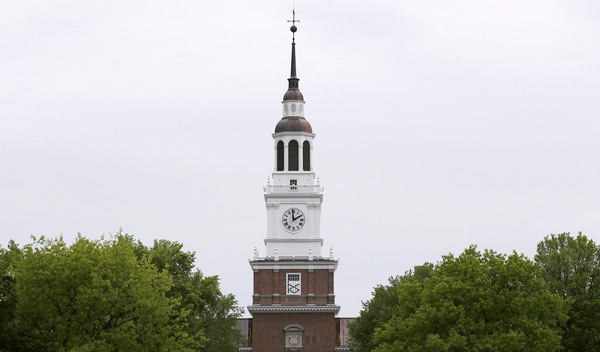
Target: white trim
320,240
294,309
292,133
300,264
315,192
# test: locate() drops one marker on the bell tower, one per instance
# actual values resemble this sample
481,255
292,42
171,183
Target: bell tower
293,304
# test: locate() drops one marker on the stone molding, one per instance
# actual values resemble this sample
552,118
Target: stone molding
294,309
330,265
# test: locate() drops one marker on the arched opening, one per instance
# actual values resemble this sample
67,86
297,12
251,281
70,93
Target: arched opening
306,156
280,156
293,156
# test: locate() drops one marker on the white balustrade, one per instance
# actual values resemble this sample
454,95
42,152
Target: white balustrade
293,189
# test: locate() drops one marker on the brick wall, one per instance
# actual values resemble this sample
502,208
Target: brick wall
342,337
268,333
316,287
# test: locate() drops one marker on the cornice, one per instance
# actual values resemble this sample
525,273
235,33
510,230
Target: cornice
293,196
293,133
294,309
331,265
295,240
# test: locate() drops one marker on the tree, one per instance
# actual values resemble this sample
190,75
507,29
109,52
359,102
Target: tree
111,295
571,266
13,335
383,306
97,296
211,313
474,302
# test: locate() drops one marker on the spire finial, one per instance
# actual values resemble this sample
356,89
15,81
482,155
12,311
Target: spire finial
293,28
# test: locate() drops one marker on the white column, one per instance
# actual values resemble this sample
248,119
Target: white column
311,156
285,157
300,155
275,163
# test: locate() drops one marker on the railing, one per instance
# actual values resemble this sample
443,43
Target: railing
293,189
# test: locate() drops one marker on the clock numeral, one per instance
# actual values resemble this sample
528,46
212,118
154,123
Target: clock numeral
293,220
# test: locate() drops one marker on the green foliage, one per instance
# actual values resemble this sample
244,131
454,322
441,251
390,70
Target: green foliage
571,266
473,302
110,295
12,334
383,306
212,314
95,295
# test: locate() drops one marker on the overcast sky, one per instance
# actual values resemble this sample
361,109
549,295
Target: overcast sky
439,124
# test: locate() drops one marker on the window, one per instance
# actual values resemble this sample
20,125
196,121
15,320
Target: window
306,156
293,185
293,284
280,156
293,156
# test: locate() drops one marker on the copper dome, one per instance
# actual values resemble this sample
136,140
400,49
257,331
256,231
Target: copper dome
293,124
293,94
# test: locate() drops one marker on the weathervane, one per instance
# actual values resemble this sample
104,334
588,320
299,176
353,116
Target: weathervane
293,28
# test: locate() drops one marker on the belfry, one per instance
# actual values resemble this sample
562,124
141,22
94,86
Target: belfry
293,303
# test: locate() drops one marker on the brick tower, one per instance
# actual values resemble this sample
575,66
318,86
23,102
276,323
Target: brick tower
293,306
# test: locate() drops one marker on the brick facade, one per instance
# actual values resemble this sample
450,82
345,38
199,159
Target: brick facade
319,332
308,316
316,287
244,325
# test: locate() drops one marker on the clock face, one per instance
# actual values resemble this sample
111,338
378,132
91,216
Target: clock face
293,220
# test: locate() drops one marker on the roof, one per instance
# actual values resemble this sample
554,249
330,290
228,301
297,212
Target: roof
293,124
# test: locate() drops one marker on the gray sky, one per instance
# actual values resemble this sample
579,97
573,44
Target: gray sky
439,124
